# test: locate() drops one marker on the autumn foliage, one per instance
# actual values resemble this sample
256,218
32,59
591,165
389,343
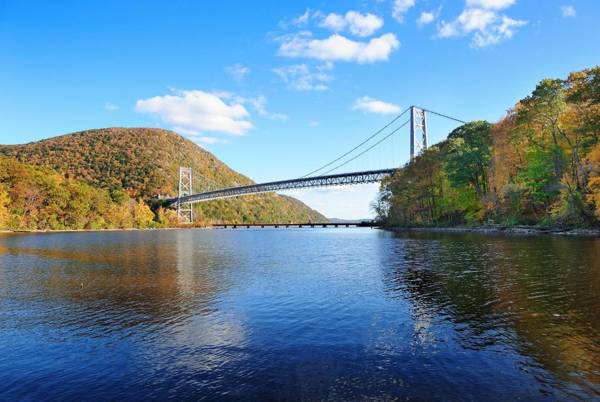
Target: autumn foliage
104,178
539,165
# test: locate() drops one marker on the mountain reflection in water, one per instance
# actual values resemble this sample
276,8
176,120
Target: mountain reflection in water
337,314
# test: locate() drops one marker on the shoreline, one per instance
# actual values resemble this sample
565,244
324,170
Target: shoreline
514,230
502,230
41,231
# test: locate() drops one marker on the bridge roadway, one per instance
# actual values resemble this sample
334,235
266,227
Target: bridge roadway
370,176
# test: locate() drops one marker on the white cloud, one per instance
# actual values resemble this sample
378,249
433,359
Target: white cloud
339,48
427,17
313,124
363,24
486,26
333,21
196,111
490,4
370,105
568,11
110,107
302,78
497,33
238,71
400,7
358,24
475,19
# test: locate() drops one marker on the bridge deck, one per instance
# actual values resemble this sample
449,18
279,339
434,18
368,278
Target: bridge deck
340,179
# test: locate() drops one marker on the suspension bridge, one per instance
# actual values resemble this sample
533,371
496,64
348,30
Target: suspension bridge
324,176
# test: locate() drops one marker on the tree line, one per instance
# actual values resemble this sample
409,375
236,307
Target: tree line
539,165
38,198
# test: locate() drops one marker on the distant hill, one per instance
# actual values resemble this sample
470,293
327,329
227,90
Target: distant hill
145,163
343,221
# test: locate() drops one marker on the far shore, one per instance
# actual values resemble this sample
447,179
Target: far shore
91,230
506,230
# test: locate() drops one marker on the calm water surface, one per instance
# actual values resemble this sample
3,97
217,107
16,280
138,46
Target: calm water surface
298,315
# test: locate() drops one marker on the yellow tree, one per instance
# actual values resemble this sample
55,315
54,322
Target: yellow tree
4,212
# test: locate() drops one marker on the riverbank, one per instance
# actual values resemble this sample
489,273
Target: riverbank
83,230
510,230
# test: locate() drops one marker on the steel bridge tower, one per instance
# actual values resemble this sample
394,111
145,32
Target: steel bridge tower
418,131
185,212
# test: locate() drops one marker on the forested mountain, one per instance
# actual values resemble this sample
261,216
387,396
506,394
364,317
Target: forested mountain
539,165
137,164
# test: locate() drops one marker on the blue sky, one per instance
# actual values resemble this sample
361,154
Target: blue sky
277,88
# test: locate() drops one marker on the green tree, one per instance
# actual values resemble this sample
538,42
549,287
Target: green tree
538,178
468,156
538,120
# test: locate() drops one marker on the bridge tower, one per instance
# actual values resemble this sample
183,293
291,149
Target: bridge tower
185,213
418,131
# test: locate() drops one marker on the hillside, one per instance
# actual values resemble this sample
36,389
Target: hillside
35,197
144,162
539,165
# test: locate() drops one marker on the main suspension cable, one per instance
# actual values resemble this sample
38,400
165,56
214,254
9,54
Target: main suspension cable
368,149
442,115
359,145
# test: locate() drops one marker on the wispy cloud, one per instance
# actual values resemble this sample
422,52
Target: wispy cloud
238,71
301,77
299,21
371,105
302,20
110,107
568,11
260,106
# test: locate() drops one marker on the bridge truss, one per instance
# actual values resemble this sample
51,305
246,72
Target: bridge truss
341,179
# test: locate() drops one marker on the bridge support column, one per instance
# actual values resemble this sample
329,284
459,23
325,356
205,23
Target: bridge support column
185,212
418,128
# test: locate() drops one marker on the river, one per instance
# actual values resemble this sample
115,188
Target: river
299,314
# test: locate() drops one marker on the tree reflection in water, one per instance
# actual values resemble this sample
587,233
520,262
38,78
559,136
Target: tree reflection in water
539,295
